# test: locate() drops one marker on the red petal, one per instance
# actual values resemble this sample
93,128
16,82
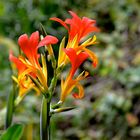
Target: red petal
20,66
75,95
76,60
88,21
60,21
23,42
75,17
71,53
48,40
88,26
82,56
94,64
29,46
34,40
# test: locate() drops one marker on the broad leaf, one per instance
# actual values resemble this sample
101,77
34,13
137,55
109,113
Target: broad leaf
13,133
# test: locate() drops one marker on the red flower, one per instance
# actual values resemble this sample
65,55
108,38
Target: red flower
75,59
29,65
25,83
68,85
78,26
30,45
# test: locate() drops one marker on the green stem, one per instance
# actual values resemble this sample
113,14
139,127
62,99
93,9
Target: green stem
45,120
10,107
52,86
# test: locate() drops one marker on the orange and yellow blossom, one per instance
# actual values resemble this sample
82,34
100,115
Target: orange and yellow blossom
28,66
77,29
69,84
24,82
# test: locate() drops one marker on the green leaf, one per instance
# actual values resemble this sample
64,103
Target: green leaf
10,107
13,133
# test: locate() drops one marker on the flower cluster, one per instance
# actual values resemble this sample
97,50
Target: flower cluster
32,66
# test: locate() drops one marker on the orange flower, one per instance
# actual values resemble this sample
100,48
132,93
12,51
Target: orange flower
77,29
24,82
29,65
78,26
30,46
68,85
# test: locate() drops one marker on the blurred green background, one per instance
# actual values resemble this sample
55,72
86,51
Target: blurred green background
111,107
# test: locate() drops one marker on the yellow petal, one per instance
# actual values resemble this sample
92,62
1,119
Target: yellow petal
92,56
66,88
73,43
61,52
44,66
80,93
42,79
89,42
81,76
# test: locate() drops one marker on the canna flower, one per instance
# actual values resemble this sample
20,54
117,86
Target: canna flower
69,84
30,46
28,66
77,26
24,82
77,29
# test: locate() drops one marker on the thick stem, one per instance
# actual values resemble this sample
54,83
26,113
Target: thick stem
45,120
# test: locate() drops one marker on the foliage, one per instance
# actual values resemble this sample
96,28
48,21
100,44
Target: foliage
13,133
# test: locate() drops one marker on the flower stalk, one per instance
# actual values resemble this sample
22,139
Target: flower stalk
45,120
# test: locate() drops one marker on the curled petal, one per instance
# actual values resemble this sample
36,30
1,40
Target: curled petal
89,42
92,56
48,40
80,94
60,21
